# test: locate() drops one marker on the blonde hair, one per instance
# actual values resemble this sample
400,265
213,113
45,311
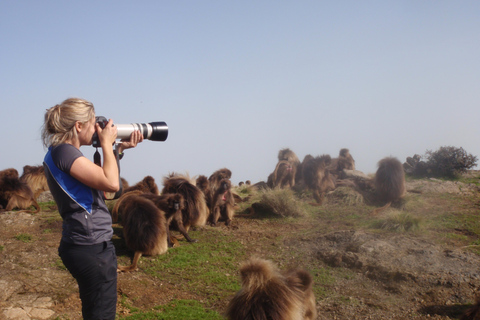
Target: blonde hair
59,124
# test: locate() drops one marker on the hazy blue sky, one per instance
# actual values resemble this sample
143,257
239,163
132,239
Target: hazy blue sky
236,81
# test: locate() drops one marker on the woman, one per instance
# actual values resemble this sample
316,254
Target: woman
77,185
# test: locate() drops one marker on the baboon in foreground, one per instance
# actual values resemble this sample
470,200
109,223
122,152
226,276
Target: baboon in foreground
268,294
144,229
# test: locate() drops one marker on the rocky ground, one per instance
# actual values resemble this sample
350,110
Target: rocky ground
395,276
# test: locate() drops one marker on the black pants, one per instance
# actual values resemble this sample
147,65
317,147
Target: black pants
95,269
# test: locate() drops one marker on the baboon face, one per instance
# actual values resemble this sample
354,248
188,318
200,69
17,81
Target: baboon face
177,202
225,185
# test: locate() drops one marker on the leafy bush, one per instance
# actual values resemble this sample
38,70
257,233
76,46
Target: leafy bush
447,162
450,161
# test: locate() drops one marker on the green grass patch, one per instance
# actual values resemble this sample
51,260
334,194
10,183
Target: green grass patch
24,237
207,268
178,309
398,222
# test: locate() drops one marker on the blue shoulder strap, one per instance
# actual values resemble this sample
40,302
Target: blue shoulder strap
76,190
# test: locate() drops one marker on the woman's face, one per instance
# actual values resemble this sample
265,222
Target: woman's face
85,135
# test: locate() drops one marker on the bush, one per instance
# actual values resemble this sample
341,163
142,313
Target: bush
447,161
281,202
450,161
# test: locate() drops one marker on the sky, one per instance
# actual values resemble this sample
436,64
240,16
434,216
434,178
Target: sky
237,81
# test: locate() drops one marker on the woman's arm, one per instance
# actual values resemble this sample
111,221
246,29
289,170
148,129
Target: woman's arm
104,178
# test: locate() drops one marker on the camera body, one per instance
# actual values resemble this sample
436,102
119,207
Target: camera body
155,131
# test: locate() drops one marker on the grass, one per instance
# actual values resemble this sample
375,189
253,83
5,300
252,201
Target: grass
399,222
178,309
208,270
281,202
24,237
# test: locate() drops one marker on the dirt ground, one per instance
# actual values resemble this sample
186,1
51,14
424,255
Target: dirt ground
396,276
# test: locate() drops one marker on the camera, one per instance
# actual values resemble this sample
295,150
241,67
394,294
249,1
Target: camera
155,131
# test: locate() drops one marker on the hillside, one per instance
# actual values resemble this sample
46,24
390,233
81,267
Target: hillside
416,262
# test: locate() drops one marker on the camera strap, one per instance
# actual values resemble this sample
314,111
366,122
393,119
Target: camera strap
97,159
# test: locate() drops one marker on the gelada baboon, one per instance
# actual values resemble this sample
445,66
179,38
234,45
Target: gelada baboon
344,161
195,212
172,205
222,203
204,185
8,173
147,184
284,175
389,182
317,177
288,175
144,229
119,206
34,177
288,155
268,294
217,176
15,194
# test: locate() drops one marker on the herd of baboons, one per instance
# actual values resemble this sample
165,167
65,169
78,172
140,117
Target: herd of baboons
147,214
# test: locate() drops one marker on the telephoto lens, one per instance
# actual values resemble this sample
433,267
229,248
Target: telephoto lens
155,131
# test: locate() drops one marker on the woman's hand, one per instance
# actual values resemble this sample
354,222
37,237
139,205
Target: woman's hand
135,138
108,134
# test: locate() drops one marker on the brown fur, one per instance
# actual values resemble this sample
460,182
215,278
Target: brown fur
344,161
288,155
317,177
268,294
148,184
284,175
34,177
118,207
473,313
196,211
144,229
172,204
217,176
204,185
16,194
9,173
222,203
389,182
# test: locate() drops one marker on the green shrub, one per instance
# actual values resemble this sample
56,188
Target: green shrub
448,162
